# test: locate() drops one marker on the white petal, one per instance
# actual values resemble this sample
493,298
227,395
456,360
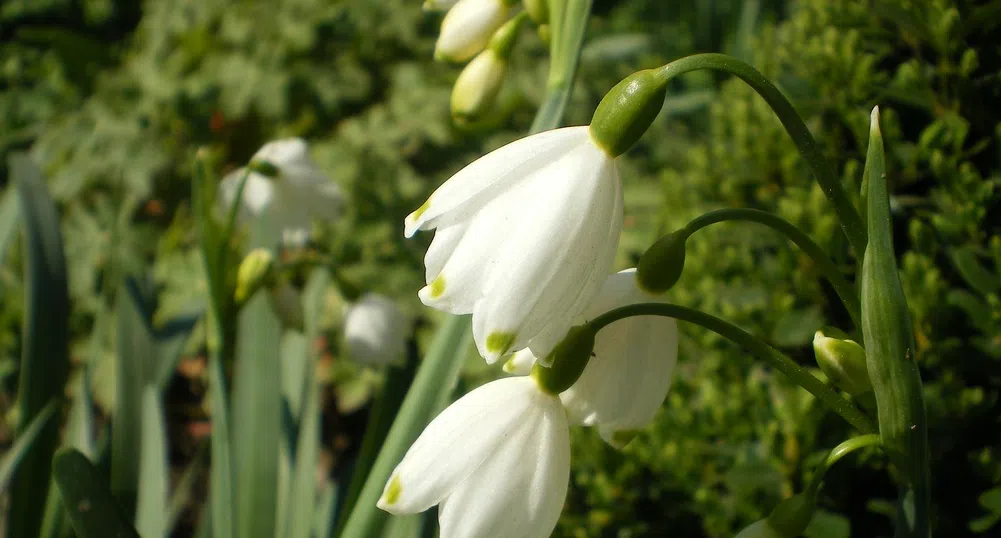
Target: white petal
470,188
284,152
375,331
521,363
441,248
457,442
257,192
520,490
625,383
467,28
555,250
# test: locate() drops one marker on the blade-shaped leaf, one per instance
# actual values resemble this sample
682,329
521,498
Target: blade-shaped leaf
10,212
170,341
91,507
45,350
22,443
256,417
151,505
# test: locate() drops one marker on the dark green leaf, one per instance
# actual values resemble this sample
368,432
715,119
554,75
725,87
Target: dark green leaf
92,509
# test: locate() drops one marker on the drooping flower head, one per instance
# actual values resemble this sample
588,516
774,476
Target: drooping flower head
630,371
375,331
497,461
525,236
296,192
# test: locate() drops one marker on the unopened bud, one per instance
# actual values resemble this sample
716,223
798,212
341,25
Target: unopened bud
661,265
843,362
256,270
477,87
468,27
627,110
566,362
287,303
538,10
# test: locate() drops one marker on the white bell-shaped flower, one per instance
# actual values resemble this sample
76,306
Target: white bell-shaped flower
467,28
629,375
375,331
525,236
497,461
299,192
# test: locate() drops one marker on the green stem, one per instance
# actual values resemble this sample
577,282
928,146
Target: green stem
851,222
569,24
763,351
845,290
836,454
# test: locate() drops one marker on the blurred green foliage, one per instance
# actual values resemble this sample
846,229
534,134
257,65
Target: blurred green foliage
113,96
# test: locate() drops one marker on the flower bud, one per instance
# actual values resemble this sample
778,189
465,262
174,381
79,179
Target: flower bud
843,362
567,360
538,10
256,270
661,265
477,86
467,28
627,110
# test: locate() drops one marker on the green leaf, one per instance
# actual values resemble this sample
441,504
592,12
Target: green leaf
136,351
991,500
973,272
91,507
796,327
256,417
181,497
151,505
828,525
302,494
45,348
10,213
437,375
890,349
22,443
170,341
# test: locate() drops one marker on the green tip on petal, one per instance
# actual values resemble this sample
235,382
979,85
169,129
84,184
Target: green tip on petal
437,287
497,343
393,491
420,210
509,366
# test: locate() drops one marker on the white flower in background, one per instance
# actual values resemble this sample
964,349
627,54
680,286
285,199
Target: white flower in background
525,236
299,192
629,375
497,461
375,331
467,28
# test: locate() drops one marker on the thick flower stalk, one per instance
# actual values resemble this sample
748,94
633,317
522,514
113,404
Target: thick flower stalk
497,462
285,183
630,369
525,236
467,28
375,331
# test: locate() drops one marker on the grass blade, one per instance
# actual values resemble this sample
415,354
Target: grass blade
23,442
45,351
170,342
91,507
136,350
256,417
151,513
10,213
185,488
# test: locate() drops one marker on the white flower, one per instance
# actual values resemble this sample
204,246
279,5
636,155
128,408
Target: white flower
629,375
375,331
759,529
467,28
524,238
497,461
300,193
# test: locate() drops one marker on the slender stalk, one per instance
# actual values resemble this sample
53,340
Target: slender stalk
851,222
763,351
569,24
840,451
845,290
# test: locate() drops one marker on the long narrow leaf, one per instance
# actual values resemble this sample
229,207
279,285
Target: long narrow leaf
135,353
91,507
170,342
10,211
45,351
23,442
182,494
256,417
151,505
295,380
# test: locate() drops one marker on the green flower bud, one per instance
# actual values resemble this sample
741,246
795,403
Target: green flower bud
568,360
477,87
661,265
627,110
843,362
256,270
545,33
538,10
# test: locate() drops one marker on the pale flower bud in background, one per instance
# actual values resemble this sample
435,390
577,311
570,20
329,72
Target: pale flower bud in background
468,27
256,270
477,86
843,362
375,331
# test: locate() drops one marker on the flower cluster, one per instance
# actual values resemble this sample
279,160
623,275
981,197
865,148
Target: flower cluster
525,240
